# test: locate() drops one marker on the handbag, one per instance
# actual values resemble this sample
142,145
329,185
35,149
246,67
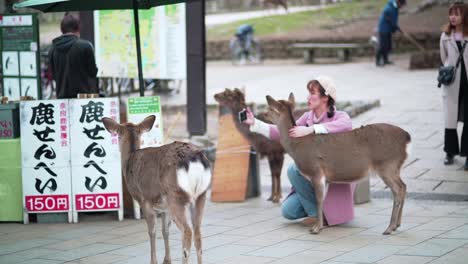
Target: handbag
447,73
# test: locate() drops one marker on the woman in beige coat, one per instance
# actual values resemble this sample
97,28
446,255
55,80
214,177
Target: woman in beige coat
455,95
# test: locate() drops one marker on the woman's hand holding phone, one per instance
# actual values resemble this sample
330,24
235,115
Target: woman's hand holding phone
250,120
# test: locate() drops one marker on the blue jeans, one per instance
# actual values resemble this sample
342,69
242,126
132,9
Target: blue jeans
302,202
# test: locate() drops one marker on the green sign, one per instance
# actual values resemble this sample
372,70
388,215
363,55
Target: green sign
20,56
144,105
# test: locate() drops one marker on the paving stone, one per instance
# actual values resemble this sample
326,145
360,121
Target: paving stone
248,259
82,252
308,257
453,188
24,244
443,223
370,253
331,234
36,253
445,175
434,247
349,243
458,256
219,254
284,248
409,238
459,233
406,260
79,242
39,261
220,240
101,259
367,221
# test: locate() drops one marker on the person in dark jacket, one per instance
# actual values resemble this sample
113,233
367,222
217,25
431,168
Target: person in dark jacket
388,24
72,61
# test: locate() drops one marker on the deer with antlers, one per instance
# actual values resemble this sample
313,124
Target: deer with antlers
345,157
165,181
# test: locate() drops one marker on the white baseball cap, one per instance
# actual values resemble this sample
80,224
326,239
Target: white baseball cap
328,85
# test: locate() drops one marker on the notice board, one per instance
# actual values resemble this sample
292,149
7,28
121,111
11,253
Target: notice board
19,45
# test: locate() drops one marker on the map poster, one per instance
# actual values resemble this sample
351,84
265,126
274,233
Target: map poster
163,42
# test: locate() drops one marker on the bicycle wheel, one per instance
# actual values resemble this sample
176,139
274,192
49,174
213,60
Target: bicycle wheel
255,52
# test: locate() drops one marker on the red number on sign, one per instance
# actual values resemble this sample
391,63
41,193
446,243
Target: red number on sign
47,203
102,201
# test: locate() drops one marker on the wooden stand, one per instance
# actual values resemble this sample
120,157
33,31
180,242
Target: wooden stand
235,175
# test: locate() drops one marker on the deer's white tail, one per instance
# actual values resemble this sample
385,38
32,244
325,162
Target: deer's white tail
195,180
409,148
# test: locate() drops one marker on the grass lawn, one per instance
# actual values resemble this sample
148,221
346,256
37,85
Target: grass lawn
277,24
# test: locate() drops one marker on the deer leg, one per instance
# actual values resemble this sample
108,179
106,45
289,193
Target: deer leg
388,176
278,177
320,186
150,217
276,164
166,223
402,199
178,214
197,215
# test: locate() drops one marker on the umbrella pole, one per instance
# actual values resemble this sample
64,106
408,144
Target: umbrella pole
138,47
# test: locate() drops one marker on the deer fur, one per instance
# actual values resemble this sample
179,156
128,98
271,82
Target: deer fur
235,101
345,157
165,181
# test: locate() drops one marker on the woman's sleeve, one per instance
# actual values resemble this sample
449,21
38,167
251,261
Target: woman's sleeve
302,121
267,130
341,123
443,51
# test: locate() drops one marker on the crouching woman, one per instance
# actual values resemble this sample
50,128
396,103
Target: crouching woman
322,118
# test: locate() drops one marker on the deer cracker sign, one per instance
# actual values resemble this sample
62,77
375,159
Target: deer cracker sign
74,165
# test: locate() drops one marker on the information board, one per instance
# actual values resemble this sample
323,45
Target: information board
163,42
19,35
138,108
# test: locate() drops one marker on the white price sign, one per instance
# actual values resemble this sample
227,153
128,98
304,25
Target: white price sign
45,156
96,169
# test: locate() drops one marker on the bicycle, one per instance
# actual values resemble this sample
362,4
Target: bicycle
240,53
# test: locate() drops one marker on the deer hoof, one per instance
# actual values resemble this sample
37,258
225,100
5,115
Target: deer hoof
315,229
388,231
270,198
276,199
167,261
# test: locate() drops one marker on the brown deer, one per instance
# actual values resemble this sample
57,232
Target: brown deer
345,157
235,101
165,181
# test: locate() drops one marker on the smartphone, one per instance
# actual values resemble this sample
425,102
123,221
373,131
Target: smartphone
242,115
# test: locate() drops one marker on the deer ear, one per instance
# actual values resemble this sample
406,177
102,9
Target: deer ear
147,124
238,91
272,102
110,125
292,100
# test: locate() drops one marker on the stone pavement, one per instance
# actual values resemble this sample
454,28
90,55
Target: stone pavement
253,232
